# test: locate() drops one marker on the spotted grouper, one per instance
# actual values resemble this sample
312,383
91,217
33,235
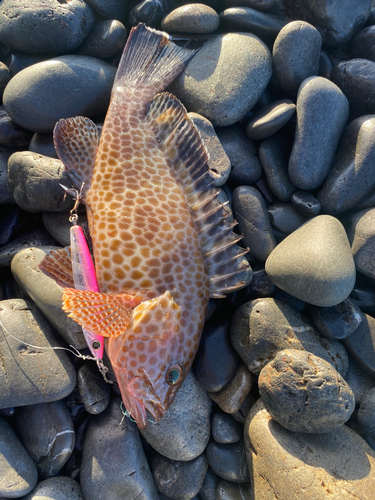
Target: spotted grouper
162,242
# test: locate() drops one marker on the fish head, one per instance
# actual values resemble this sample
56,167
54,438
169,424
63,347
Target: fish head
149,359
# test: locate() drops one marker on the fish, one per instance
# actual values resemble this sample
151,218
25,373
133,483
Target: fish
162,242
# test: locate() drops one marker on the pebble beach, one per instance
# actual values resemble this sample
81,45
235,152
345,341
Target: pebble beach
280,401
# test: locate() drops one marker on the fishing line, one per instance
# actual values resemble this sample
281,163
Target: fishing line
126,413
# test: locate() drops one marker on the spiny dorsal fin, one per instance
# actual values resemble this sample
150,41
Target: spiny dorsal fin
76,143
187,157
58,265
100,313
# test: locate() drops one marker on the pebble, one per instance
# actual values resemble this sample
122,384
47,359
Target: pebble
242,154
110,9
225,430
29,375
43,145
45,292
250,211
360,344
33,238
317,400
270,119
228,461
366,413
219,165
106,40
56,488
322,113
285,217
46,430
187,420
337,20
352,177
151,12
358,380
55,29
337,322
58,225
227,490
361,236
34,180
18,474
263,327
306,204
9,222
262,5
264,25
232,396
208,488
38,96
207,85
12,135
94,391
216,360
4,77
362,45
274,154
6,195
176,479
296,55
364,298
356,78
338,464
192,18
113,462
293,265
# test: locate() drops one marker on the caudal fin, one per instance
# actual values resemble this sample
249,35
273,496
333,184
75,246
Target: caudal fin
151,59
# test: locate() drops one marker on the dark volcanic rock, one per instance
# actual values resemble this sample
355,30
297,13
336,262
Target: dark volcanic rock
105,40
339,321
228,461
360,344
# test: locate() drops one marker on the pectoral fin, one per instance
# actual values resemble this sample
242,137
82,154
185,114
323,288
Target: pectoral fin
58,265
104,314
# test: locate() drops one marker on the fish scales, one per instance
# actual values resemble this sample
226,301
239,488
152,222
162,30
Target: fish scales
161,242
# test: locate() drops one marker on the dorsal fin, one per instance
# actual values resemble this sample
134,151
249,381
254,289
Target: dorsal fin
187,158
76,143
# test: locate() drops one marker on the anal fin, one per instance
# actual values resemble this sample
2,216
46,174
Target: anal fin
76,144
58,265
184,150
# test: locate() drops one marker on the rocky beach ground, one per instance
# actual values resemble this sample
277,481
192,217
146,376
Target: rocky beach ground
280,403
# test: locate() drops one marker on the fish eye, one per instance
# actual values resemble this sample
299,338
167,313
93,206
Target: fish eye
174,375
96,345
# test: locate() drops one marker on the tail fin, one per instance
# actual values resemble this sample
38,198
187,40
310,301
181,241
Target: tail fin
151,59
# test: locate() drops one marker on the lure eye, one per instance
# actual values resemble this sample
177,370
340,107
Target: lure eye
174,375
96,345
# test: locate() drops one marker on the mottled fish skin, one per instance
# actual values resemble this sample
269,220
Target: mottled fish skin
145,241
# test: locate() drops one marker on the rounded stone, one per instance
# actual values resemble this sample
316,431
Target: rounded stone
263,327
113,439
337,20
314,263
47,432
360,344
339,321
285,217
228,461
12,135
216,360
150,12
336,465
94,391
43,145
6,195
366,412
35,373
192,18
105,40
110,9
225,429
353,173
18,474
46,293
269,119
363,44
56,488
33,238
4,77
46,27
40,95
362,237
262,5
242,154
187,420
296,54
356,78
34,180
176,479
227,490
306,203
207,491
317,398
226,78
358,380
250,211
322,113
58,226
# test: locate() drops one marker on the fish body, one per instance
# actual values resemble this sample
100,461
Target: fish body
161,242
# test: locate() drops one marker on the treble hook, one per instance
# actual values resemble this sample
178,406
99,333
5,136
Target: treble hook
77,196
